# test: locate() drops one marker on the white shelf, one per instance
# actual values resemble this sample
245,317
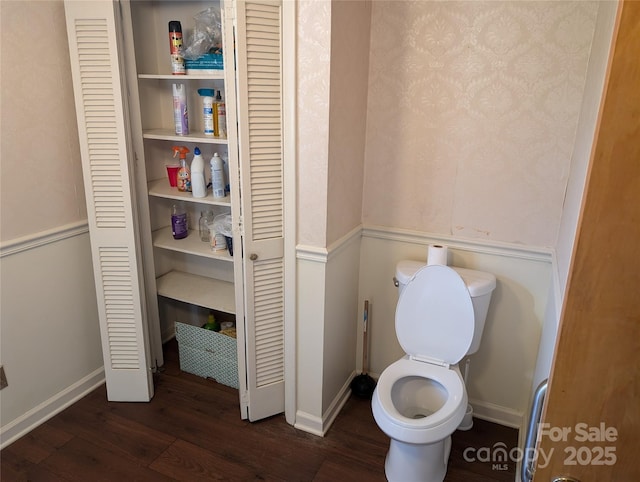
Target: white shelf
170,135
217,75
198,290
163,238
161,188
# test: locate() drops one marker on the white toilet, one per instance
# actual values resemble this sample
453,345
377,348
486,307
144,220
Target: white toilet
420,400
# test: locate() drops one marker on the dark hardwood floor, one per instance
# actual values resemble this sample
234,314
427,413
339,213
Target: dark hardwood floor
192,430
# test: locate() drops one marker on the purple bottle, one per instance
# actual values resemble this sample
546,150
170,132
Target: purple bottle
179,222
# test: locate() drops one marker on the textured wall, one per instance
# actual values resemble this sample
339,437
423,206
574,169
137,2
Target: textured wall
350,25
313,57
41,185
472,115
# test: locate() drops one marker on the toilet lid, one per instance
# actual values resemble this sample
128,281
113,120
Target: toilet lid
434,316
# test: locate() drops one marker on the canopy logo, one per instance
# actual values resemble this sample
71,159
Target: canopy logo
587,446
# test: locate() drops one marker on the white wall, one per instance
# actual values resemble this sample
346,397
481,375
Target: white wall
333,53
327,315
50,342
590,108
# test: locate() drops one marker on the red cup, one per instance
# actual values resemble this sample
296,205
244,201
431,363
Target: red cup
172,172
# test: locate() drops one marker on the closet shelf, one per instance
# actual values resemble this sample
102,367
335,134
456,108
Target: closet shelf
170,135
163,238
198,290
217,75
161,188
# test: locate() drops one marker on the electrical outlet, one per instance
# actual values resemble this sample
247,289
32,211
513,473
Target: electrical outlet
3,378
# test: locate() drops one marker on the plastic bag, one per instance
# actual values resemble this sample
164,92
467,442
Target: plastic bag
207,35
222,224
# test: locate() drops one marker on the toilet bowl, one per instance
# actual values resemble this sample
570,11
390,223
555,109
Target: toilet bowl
421,399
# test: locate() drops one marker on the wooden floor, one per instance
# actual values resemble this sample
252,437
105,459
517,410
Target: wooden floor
192,430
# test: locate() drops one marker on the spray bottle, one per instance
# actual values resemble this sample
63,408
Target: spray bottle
208,111
217,176
184,174
198,182
180,111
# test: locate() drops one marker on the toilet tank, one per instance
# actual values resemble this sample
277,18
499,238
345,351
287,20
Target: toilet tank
479,283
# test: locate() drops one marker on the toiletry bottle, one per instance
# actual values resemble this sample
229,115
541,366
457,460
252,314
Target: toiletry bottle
180,114
217,176
184,173
179,226
175,48
212,324
222,116
203,228
207,111
198,182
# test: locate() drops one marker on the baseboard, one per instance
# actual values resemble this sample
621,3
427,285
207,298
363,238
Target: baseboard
336,405
496,414
308,423
320,426
49,408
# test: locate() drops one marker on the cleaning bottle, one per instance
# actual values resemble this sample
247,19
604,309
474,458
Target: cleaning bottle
184,173
217,176
212,324
221,116
207,111
198,182
179,227
180,111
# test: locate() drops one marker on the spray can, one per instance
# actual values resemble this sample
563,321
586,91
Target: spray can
180,114
217,176
207,111
175,48
222,116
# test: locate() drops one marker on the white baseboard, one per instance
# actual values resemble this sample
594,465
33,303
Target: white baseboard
496,414
49,408
308,423
320,426
336,405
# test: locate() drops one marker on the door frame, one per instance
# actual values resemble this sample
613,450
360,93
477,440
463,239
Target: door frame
290,88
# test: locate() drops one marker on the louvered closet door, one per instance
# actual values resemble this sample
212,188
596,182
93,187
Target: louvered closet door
258,50
97,82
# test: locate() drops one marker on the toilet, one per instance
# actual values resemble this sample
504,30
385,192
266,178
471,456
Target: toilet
421,399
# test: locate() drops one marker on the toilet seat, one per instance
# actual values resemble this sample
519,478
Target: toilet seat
436,426
434,325
434,317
